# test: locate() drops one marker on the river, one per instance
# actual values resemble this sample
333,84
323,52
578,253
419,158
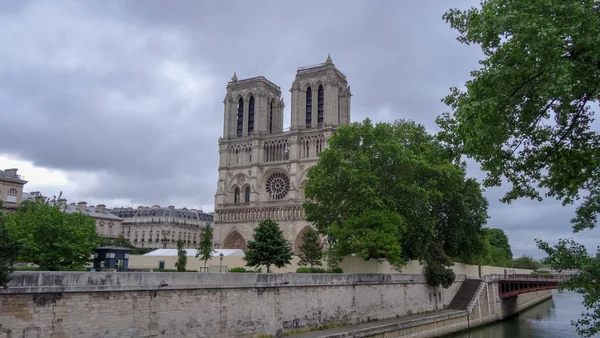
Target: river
550,319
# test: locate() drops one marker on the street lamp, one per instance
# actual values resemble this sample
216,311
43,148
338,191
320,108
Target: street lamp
221,261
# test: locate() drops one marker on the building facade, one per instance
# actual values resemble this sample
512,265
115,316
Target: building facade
159,227
107,224
262,167
11,188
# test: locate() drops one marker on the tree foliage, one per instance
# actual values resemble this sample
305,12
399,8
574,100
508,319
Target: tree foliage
205,249
568,255
268,247
527,116
9,250
497,250
311,250
526,262
119,241
392,192
181,257
51,238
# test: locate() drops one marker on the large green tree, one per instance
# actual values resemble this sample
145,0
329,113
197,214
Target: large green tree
268,247
392,192
500,252
527,114
9,250
205,249
51,238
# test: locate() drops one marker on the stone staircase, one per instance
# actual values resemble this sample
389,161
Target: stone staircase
465,294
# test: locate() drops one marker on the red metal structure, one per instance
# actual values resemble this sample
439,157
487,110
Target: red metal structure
513,285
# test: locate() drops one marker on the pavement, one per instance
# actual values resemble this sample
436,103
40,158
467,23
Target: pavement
381,326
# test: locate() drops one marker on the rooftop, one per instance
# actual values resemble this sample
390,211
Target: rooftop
235,82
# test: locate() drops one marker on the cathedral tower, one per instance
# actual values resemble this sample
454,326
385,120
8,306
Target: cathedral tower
252,106
262,168
320,97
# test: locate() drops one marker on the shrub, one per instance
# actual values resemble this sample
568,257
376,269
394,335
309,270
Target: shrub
306,269
238,269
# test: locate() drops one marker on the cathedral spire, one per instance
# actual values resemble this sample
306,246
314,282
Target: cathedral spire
234,78
328,61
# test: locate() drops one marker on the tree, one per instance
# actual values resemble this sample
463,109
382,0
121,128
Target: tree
526,262
205,249
569,255
526,115
268,247
119,241
311,250
181,257
392,192
51,238
499,252
9,250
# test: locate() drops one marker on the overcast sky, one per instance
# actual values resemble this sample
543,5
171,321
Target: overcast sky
121,102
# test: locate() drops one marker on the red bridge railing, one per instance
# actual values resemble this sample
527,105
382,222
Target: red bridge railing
513,284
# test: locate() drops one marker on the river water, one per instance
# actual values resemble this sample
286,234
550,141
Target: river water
550,319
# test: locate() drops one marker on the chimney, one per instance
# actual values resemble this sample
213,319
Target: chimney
81,206
100,208
61,203
11,172
171,207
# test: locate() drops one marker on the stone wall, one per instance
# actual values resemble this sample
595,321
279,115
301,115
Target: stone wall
84,304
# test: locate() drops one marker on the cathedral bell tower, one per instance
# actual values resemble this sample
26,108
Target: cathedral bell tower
320,97
252,106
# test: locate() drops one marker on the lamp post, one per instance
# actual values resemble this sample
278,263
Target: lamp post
220,261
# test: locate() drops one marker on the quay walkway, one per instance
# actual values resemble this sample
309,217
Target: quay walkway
386,325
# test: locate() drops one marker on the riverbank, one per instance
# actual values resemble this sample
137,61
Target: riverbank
439,323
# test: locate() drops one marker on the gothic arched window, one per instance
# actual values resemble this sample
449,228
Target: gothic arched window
251,115
247,195
320,106
236,195
308,107
240,117
271,117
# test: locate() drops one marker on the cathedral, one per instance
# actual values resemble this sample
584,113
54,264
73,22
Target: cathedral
262,166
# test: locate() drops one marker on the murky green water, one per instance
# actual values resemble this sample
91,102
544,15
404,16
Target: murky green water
550,319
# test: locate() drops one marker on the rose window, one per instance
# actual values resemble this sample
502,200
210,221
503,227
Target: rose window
278,186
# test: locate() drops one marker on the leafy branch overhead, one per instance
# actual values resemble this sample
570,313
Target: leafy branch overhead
392,192
527,115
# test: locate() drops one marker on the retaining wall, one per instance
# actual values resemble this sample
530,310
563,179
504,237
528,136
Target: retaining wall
99,304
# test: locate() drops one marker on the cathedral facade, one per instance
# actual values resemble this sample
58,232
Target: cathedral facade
262,167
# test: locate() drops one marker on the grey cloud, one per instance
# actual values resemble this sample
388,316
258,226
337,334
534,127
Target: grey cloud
131,92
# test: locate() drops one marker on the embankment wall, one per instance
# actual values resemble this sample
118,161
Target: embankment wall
103,304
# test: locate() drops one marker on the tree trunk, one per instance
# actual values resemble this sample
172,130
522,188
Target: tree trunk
268,268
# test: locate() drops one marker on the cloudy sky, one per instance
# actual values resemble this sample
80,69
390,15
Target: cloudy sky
121,102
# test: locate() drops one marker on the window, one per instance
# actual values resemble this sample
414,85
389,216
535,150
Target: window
251,115
12,196
271,117
320,106
236,195
308,107
247,195
240,117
